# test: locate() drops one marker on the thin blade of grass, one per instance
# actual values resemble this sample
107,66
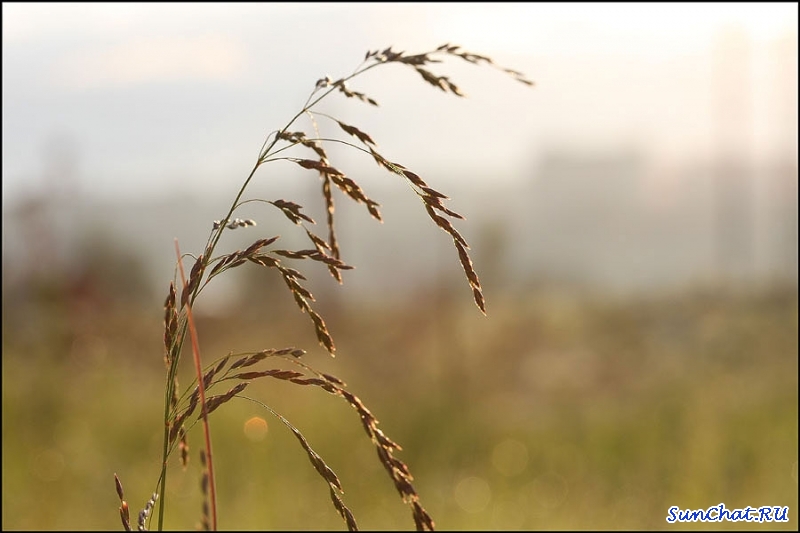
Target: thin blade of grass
199,368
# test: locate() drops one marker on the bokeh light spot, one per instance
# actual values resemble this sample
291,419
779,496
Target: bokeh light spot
48,465
549,490
510,457
473,494
256,428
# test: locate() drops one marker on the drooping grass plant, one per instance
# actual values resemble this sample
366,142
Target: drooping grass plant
233,373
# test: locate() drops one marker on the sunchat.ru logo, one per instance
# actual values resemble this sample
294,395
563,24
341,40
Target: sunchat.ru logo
718,513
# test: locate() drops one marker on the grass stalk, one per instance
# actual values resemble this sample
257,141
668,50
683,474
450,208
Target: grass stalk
201,387
179,317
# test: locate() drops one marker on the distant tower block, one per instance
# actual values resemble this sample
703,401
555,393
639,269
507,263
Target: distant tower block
783,121
732,108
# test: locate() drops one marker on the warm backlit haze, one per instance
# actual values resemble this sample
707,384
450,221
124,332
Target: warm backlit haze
633,218
128,107
208,77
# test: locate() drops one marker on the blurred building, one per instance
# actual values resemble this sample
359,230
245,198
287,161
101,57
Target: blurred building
584,218
781,237
733,157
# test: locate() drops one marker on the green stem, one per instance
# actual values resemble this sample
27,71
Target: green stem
165,452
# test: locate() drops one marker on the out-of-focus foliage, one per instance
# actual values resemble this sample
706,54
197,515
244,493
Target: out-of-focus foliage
555,411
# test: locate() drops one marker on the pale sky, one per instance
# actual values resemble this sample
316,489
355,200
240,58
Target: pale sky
144,99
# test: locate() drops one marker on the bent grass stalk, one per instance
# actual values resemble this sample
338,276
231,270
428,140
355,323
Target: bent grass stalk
209,463
179,410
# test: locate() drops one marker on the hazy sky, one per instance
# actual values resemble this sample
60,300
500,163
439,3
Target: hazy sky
141,99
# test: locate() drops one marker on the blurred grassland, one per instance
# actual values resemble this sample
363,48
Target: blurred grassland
555,411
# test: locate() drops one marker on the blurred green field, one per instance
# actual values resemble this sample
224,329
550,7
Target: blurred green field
556,411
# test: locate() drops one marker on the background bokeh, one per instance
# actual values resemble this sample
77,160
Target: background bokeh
633,218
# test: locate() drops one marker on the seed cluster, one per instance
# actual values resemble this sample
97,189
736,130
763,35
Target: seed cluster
182,408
